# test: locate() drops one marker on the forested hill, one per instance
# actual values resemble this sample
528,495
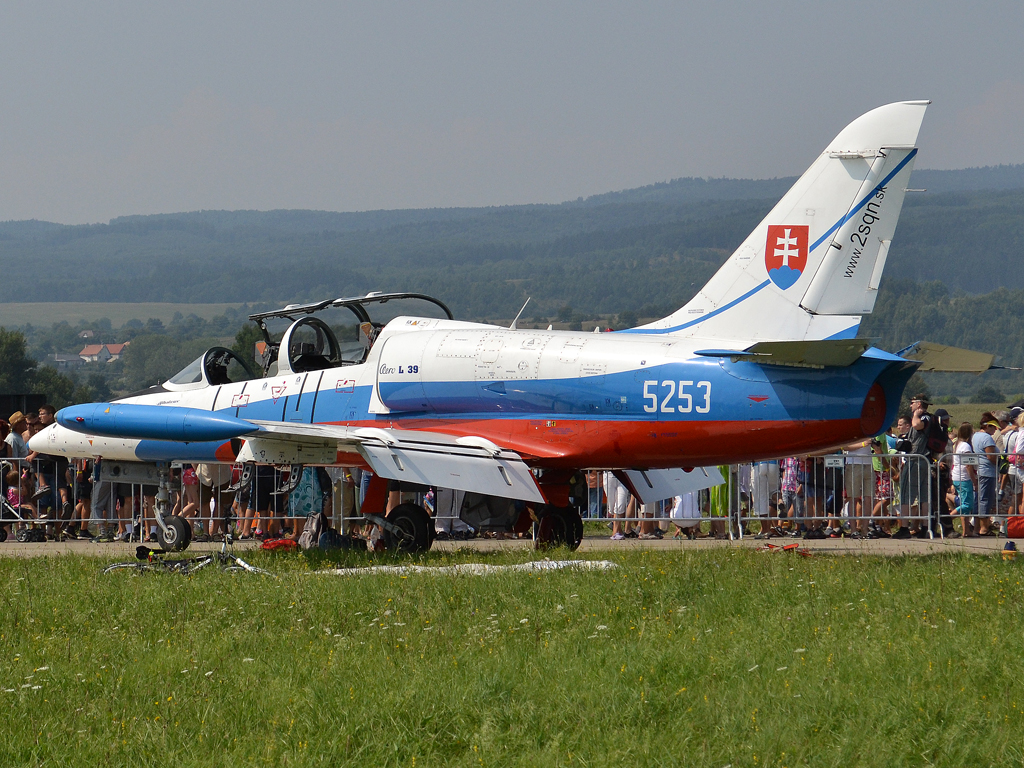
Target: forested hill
996,177
646,250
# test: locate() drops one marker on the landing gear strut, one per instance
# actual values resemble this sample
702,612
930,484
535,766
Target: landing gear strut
174,533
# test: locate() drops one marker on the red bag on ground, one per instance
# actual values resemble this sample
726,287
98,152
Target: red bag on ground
1015,527
283,544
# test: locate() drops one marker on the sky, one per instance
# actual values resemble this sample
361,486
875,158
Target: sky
116,108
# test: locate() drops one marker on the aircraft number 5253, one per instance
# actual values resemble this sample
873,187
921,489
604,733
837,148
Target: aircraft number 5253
673,400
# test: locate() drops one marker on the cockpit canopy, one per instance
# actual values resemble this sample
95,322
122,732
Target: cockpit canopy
308,345
312,344
216,366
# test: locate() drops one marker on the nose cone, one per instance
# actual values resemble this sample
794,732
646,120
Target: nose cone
43,438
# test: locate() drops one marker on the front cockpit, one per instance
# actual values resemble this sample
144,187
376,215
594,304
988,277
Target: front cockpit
215,367
303,338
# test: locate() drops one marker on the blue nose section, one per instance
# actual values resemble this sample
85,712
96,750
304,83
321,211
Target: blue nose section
152,422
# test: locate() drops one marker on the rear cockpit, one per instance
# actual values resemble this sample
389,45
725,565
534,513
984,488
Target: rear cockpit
296,341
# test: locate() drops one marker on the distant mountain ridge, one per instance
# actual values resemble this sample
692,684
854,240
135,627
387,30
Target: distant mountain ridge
687,189
652,247
674,192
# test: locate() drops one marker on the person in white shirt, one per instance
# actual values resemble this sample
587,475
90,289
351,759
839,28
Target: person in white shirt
964,477
859,483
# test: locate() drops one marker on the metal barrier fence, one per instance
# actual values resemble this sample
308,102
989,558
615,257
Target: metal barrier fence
982,489
853,495
859,495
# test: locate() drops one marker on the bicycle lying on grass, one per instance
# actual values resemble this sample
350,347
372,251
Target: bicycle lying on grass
153,561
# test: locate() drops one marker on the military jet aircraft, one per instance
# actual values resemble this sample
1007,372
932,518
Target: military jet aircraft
763,362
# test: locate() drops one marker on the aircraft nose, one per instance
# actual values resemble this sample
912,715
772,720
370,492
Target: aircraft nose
38,441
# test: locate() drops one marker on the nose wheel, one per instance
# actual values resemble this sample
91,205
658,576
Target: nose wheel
176,534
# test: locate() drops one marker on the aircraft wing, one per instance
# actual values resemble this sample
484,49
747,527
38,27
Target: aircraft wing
653,485
427,458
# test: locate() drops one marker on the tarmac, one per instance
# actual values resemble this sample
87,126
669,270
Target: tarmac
988,546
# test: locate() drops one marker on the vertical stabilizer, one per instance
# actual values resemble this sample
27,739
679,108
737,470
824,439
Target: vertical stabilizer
812,267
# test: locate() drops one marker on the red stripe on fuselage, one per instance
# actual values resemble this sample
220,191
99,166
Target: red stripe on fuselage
568,443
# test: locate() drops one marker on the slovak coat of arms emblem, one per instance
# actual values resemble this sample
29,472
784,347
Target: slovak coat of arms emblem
785,253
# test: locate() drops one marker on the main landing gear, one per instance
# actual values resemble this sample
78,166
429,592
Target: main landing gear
407,528
558,527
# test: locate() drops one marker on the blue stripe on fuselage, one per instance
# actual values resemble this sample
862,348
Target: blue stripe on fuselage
738,391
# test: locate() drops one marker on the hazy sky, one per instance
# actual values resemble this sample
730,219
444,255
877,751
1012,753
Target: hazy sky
112,108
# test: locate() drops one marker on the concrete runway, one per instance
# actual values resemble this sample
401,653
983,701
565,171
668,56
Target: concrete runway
988,545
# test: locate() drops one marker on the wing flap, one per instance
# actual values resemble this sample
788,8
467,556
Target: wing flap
506,475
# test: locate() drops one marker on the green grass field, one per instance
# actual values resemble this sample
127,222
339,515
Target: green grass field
715,658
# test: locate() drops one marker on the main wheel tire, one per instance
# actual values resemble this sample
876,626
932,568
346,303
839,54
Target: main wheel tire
417,526
559,527
3,535
21,535
177,536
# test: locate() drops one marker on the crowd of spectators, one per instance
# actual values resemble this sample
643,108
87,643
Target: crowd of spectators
923,477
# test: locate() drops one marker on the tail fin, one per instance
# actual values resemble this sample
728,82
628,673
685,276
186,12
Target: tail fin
812,267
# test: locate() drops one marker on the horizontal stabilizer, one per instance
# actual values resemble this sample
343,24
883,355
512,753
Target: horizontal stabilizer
797,354
654,485
939,357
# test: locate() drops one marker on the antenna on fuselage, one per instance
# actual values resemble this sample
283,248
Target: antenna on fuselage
513,326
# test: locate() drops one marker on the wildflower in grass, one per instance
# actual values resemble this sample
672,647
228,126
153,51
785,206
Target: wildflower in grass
780,669
800,650
42,669
601,627
210,673
524,621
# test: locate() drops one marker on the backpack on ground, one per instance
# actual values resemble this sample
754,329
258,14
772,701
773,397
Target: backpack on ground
331,539
315,526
